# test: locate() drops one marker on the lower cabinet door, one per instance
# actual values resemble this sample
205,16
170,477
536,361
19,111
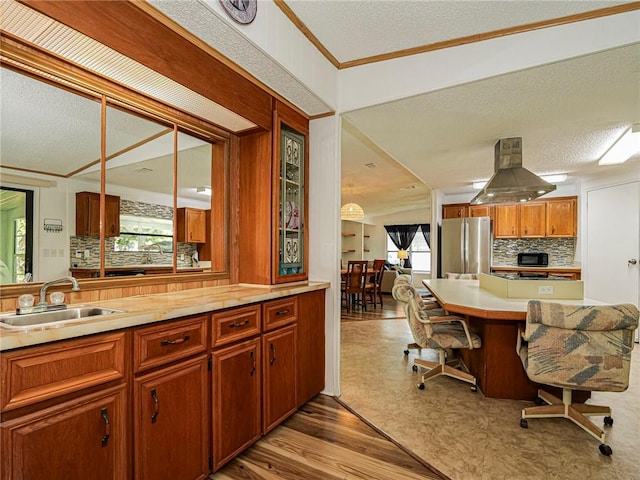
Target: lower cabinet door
236,399
171,422
82,438
279,362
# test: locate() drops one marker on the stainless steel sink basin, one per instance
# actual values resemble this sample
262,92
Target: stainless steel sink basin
54,317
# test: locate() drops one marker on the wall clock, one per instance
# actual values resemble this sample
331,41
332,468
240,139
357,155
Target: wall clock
242,11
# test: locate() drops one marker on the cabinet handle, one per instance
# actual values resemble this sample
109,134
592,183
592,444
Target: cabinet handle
553,229
107,427
525,230
156,405
273,354
253,363
239,324
282,312
164,343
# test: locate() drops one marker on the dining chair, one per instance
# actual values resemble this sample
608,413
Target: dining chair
353,288
373,288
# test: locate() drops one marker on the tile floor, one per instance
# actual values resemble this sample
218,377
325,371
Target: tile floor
467,436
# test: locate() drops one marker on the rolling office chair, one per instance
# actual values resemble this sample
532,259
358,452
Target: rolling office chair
438,332
577,348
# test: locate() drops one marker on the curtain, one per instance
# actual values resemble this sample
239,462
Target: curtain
402,236
426,233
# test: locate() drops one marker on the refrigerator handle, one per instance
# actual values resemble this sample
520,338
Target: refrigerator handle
465,247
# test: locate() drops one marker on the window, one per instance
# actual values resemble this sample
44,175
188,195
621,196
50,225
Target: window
419,252
137,234
20,248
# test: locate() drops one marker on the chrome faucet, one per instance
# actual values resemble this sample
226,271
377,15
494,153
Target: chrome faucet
43,290
148,259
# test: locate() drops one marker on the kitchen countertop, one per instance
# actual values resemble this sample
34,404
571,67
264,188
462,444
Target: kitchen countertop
551,268
466,297
145,309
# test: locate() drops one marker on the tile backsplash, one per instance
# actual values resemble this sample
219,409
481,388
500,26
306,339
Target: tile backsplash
561,250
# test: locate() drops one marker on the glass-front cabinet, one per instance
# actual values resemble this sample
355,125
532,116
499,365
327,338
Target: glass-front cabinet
291,230
290,196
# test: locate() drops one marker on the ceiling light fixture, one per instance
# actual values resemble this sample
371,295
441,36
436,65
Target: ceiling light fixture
204,191
624,148
556,178
351,211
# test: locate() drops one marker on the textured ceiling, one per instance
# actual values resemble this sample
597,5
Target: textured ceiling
356,29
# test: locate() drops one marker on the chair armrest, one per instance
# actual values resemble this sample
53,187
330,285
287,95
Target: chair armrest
519,339
451,319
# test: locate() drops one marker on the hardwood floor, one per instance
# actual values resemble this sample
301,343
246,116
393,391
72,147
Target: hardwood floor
325,441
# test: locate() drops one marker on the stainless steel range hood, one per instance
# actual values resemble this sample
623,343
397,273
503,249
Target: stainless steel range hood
511,182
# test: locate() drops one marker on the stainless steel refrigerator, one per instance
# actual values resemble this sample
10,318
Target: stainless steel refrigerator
465,245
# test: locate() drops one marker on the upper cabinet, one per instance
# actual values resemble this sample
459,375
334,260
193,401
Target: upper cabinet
553,217
562,217
88,215
191,225
532,219
506,221
457,210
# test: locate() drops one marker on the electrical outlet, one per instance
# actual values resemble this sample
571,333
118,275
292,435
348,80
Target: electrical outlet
545,289
182,256
87,253
78,253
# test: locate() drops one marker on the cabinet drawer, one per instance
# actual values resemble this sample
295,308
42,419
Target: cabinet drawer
34,374
167,342
235,324
280,312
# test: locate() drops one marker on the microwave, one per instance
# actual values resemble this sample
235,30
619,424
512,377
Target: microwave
533,259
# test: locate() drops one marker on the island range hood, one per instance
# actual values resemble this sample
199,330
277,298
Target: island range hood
511,182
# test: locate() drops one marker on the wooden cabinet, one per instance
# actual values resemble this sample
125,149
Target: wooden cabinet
64,410
310,345
82,438
273,176
532,219
279,376
236,399
481,211
562,217
171,432
191,225
458,210
88,215
506,221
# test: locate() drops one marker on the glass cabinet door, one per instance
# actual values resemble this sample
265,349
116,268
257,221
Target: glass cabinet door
292,221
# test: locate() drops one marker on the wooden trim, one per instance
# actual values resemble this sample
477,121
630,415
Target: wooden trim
321,115
103,170
454,42
299,24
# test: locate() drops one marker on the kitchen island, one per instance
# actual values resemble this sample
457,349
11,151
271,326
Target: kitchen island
496,364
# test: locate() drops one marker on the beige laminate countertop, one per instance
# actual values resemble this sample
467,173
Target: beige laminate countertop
466,297
144,309
553,268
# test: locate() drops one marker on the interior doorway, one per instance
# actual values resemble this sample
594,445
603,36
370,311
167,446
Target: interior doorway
16,235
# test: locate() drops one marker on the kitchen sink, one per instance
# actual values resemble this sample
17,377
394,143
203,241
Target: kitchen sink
53,317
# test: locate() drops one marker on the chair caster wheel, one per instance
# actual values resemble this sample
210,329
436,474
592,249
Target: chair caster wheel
524,423
415,368
474,388
538,401
605,450
406,352
421,386
608,421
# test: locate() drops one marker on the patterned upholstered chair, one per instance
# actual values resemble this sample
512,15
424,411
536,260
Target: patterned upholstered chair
577,348
461,276
431,329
